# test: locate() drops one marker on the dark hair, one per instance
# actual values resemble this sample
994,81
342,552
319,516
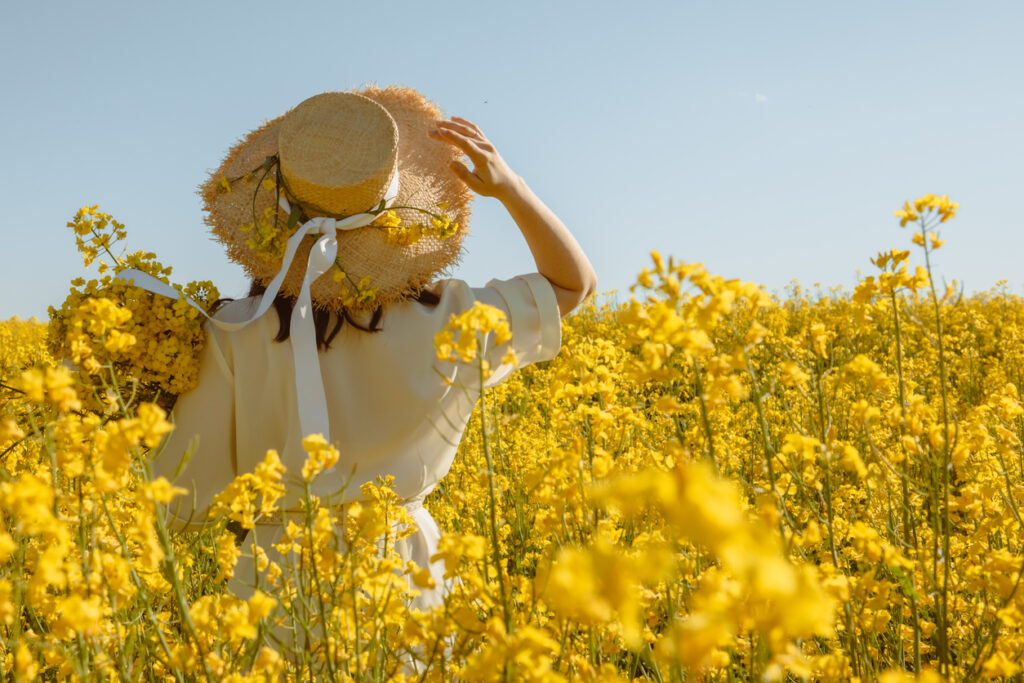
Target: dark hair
322,318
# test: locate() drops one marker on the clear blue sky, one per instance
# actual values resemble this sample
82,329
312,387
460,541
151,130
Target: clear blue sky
769,140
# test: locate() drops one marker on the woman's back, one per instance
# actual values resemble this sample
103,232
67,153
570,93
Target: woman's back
394,408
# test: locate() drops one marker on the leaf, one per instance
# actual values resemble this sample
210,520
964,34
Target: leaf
294,215
908,589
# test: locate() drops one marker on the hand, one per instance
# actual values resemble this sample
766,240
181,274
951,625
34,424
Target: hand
490,176
556,252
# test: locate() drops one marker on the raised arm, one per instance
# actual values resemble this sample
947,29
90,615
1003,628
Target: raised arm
556,252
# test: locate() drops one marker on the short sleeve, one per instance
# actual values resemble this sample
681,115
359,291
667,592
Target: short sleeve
204,418
529,303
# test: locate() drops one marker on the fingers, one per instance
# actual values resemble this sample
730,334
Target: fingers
466,145
470,132
466,176
467,129
469,123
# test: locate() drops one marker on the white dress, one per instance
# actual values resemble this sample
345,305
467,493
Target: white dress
390,408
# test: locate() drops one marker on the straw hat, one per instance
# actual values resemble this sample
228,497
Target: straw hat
336,154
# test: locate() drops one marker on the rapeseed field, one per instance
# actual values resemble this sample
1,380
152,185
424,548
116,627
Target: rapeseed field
709,483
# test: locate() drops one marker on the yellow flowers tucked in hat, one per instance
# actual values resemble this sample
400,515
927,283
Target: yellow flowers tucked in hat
441,226
268,239
388,219
354,293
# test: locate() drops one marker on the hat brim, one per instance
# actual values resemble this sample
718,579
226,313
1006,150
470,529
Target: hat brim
397,271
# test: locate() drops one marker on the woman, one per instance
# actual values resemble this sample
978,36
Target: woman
352,174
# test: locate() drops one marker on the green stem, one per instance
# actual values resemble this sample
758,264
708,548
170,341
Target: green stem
943,612
705,422
908,529
492,497
829,512
315,585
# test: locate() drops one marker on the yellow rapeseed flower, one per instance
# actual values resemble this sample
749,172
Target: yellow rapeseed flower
322,456
464,333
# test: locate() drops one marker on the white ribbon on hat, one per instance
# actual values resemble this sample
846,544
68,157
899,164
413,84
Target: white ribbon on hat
309,386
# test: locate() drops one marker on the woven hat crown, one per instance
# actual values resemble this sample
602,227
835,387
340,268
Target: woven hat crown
338,152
